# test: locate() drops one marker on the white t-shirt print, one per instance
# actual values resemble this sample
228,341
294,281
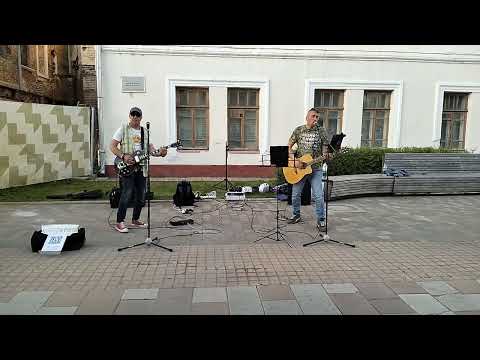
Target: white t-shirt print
136,137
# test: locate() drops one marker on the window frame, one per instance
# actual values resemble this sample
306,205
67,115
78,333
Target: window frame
6,51
192,109
450,112
45,54
242,109
29,49
372,138
329,109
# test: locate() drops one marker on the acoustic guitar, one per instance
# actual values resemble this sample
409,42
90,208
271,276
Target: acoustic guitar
295,172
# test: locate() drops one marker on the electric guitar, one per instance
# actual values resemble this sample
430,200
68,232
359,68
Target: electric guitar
124,169
294,172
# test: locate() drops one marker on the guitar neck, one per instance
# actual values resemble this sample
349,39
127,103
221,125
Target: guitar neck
144,156
316,160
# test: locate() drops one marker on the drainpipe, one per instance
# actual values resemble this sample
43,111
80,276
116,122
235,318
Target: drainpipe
19,67
98,71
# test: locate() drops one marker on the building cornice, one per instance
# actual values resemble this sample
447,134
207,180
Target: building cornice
300,53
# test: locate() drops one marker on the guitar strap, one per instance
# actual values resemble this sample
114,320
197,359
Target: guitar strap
142,138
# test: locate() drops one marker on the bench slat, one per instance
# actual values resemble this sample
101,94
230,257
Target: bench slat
424,163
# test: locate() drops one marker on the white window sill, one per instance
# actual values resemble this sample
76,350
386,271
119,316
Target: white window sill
244,151
24,67
192,151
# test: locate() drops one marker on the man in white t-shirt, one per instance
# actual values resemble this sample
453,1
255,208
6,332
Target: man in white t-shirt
129,137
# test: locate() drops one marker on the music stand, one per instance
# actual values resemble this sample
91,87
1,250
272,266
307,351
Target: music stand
336,142
278,158
334,145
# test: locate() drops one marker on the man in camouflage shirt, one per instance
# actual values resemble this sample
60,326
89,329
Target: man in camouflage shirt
310,139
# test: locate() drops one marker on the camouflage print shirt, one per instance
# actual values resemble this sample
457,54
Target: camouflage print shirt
309,141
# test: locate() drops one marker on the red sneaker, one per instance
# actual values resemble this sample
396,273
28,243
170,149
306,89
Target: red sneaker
138,224
120,227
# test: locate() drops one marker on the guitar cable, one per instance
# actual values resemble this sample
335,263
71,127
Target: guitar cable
190,228
263,231
193,228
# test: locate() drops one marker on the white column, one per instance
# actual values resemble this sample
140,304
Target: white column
472,128
352,117
218,123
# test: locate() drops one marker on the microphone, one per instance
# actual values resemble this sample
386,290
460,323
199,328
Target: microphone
148,125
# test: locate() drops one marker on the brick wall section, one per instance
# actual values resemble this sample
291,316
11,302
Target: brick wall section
180,171
8,67
89,85
34,88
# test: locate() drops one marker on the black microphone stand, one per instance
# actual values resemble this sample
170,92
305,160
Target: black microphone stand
326,237
148,241
227,183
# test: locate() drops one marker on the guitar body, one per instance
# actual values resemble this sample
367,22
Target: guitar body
123,169
294,174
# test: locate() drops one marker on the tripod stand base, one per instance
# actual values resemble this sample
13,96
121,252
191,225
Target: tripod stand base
224,181
326,237
147,242
277,236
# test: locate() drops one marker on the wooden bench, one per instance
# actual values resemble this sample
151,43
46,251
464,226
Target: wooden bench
435,173
346,186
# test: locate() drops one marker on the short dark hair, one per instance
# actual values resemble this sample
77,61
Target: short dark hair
313,109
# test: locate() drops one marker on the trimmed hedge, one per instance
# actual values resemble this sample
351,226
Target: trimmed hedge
350,161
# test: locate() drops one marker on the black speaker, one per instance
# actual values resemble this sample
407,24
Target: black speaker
149,195
279,156
116,193
73,242
114,197
306,198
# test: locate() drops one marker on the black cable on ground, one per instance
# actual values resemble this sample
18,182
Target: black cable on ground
241,207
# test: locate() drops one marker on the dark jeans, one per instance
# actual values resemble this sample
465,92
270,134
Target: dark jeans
133,185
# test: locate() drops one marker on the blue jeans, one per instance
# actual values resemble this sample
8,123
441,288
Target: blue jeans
317,192
133,185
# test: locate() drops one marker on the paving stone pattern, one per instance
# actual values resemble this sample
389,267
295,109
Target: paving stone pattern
413,255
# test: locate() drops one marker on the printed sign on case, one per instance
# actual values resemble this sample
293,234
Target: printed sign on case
57,234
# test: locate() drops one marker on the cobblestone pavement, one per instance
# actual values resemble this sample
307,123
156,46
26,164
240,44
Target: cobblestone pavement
413,255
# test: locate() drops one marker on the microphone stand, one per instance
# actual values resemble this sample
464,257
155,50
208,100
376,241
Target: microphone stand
325,237
148,241
227,183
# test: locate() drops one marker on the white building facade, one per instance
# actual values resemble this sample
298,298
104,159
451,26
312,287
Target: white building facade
252,97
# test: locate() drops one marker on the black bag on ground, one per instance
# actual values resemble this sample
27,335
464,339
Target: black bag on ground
184,195
114,197
83,195
86,195
73,242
